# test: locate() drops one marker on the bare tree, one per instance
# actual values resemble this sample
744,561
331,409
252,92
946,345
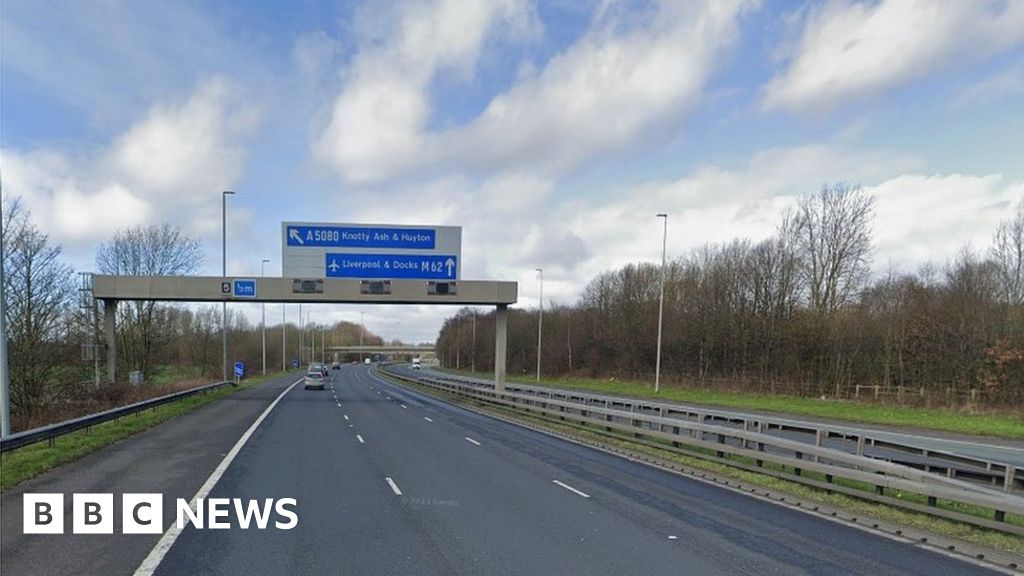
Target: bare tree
146,251
1008,254
832,233
38,292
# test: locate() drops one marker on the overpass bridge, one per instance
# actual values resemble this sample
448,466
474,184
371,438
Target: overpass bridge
382,349
418,351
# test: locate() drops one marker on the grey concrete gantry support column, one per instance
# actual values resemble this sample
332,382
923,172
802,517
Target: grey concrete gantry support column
500,346
110,329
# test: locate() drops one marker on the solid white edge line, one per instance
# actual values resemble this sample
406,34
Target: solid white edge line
156,555
468,439
571,489
394,487
360,438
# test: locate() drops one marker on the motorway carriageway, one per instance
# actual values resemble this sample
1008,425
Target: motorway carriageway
1002,450
390,481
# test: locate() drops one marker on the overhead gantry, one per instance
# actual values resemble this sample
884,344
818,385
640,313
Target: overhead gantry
113,289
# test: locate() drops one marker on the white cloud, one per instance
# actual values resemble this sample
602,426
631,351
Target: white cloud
855,50
618,85
377,120
166,167
928,218
628,79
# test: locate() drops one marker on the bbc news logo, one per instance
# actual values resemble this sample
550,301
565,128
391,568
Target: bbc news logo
143,513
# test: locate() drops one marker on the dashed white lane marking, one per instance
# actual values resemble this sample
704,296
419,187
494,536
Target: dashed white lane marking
152,561
360,438
404,406
427,419
673,537
571,489
394,487
471,441
346,416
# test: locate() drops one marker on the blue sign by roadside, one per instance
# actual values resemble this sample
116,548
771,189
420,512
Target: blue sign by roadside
239,369
244,289
355,237
409,266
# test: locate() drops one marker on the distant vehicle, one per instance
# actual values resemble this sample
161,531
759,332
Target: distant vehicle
367,361
415,363
314,380
318,367
336,366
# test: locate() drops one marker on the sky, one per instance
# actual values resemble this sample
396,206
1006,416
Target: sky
551,131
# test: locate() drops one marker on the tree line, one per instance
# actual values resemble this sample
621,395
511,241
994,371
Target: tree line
56,351
800,313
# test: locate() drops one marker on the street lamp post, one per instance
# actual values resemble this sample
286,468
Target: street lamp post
284,342
661,303
5,379
224,273
540,319
299,326
361,330
263,322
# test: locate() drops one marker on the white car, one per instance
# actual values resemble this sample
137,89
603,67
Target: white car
314,380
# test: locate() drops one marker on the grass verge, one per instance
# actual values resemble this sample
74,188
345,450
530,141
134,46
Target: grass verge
965,532
1004,425
34,459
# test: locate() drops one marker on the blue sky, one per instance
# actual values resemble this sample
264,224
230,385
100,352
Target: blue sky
551,131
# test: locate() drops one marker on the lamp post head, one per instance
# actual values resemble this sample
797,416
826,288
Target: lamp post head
227,192
661,215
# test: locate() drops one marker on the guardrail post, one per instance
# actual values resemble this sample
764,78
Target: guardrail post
819,441
1008,478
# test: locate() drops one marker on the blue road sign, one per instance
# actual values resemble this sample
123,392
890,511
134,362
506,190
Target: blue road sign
244,289
410,266
239,369
356,237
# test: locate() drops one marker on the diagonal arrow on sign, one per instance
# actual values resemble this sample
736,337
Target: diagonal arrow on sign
294,235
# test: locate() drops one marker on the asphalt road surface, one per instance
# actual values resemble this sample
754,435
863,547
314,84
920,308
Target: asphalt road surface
392,482
389,481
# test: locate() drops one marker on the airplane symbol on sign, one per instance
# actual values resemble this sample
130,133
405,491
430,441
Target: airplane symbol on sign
333,266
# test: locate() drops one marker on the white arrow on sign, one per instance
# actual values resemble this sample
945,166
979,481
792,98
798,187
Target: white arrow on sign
333,266
450,264
294,235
